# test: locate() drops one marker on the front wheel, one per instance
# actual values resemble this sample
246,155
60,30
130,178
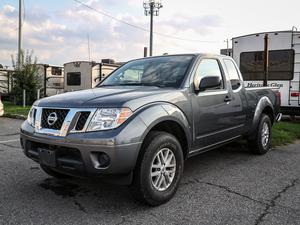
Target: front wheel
261,142
159,169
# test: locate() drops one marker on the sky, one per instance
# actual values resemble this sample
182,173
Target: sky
58,30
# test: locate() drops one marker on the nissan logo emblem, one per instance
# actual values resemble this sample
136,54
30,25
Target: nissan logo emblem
52,118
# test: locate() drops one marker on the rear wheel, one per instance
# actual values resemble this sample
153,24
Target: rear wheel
159,169
53,173
261,142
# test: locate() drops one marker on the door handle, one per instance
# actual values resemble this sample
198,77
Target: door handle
227,99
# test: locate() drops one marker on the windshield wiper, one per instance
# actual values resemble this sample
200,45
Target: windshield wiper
154,85
106,85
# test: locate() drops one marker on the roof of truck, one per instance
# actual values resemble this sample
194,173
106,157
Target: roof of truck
191,54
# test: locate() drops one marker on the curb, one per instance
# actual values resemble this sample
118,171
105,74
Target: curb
15,116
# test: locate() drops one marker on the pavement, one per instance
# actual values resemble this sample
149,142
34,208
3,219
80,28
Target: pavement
223,186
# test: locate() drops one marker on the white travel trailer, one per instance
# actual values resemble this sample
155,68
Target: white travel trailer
51,77
82,75
4,82
284,64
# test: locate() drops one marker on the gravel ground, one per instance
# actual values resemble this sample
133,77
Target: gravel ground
223,186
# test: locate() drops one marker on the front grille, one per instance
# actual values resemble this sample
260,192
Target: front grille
61,115
82,120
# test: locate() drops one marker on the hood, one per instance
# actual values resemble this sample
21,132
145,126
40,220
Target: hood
124,96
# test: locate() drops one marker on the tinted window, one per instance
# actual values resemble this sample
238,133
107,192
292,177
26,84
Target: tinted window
74,79
281,65
208,67
233,74
166,71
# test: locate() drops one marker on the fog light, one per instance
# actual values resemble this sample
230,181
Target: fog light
103,160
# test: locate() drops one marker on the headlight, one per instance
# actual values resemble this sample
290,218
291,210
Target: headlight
31,116
110,118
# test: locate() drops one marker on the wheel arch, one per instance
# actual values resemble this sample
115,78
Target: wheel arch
264,106
168,118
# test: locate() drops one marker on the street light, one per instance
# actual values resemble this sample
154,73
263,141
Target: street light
152,8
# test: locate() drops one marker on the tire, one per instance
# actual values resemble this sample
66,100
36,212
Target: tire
53,173
261,143
158,189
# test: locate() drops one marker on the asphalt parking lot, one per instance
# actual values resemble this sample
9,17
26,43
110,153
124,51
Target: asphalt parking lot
224,186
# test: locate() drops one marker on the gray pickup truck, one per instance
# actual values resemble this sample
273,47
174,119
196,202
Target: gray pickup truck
140,124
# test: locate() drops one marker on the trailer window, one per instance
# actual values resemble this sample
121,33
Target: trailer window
56,71
281,65
74,79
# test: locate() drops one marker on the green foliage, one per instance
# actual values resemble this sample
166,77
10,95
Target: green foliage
25,77
11,110
285,132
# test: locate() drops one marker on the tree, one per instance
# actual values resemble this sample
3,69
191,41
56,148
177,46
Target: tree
25,77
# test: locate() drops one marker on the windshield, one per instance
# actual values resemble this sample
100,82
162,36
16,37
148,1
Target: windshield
166,71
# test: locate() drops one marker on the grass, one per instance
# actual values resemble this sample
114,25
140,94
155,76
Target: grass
285,132
15,111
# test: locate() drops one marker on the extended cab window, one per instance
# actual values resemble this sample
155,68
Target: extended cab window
233,74
208,67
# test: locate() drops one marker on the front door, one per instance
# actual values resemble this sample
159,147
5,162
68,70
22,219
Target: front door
213,109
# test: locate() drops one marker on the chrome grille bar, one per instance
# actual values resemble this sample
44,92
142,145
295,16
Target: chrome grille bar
68,125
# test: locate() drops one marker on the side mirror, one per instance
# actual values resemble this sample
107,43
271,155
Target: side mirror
209,82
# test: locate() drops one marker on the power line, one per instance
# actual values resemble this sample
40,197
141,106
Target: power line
110,16
139,27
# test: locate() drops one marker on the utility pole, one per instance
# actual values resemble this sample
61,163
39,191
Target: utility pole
20,34
151,8
45,79
266,61
227,47
145,51
227,43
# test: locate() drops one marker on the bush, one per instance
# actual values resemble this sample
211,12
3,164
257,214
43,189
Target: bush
25,77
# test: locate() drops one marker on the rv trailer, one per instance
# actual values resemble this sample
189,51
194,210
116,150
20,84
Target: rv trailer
51,79
284,64
80,75
4,82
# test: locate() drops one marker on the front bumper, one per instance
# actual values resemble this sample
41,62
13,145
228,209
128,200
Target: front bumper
76,154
